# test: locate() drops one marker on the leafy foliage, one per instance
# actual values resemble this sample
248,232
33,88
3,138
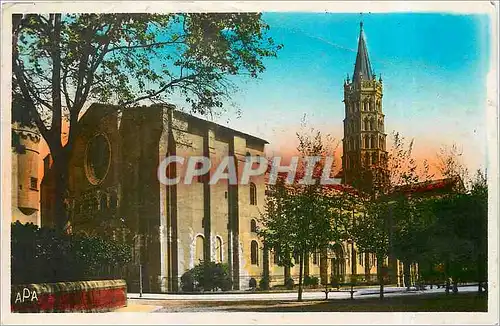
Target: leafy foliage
301,218
450,163
45,255
61,62
458,237
264,283
206,276
311,281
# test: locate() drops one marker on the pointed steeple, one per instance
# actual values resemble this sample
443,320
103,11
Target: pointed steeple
362,66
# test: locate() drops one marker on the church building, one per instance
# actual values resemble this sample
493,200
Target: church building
114,189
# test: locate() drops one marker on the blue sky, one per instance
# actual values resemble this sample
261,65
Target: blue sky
434,68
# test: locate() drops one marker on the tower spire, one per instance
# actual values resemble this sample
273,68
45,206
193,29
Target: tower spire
362,68
364,159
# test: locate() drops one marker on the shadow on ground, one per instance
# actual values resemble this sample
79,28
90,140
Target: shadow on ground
466,302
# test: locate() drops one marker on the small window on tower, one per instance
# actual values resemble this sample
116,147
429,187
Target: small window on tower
253,194
33,183
253,226
200,178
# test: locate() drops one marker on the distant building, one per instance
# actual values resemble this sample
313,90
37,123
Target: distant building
25,182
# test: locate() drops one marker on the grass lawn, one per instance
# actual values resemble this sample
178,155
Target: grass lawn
461,302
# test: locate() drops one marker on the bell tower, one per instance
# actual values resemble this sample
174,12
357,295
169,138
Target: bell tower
364,159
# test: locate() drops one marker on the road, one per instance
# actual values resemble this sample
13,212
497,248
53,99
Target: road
290,296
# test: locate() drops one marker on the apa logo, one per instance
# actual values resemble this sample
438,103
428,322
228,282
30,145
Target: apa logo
28,295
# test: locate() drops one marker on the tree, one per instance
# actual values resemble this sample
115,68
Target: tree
298,218
61,62
479,225
459,234
450,163
60,257
371,233
386,223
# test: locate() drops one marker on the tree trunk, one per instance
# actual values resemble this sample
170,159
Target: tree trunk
447,277
60,175
380,270
479,273
407,276
301,267
306,264
286,274
455,286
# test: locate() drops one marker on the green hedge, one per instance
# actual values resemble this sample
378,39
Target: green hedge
206,276
45,255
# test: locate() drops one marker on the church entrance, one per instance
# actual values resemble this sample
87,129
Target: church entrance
338,264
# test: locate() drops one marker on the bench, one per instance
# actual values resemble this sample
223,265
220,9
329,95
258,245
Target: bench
337,289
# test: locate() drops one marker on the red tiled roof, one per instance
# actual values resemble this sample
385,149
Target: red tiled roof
429,186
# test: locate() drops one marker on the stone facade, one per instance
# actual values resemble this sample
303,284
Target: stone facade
25,182
115,191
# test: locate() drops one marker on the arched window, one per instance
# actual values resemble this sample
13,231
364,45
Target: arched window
103,202
253,226
218,249
374,158
200,253
253,194
276,258
372,124
374,141
254,253
367,141
113,200
315,258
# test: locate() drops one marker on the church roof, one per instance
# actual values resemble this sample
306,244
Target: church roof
431,186
362,66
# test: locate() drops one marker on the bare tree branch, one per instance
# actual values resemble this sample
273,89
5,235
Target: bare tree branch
161,90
